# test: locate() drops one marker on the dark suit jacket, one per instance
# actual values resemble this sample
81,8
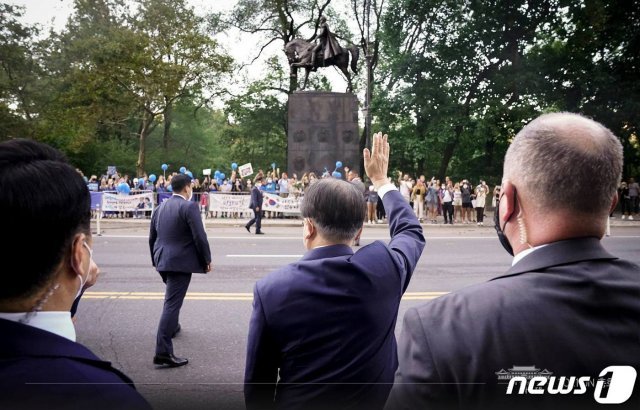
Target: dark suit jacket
256,198
569,307
41,370
327,322
177,239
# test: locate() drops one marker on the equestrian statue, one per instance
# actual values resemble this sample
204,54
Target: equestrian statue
326,52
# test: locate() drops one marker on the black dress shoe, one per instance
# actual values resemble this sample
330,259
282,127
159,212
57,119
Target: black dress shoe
175,332
247,228
169,360
260,233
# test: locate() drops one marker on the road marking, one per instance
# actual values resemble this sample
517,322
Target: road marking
221,296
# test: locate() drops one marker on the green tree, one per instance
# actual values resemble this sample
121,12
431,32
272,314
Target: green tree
450,63
18,74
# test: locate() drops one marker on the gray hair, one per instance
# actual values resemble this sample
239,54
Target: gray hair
336,208
565,161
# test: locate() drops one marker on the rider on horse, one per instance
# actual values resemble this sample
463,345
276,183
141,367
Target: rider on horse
326,42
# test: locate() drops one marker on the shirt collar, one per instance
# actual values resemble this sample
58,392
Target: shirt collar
180,196
517,258
58,323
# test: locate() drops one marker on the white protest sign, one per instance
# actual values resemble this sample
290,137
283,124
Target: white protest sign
245,170
206,172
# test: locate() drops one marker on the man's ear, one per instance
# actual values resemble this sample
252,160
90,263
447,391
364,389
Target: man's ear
310,230
614,202
507,201
78,253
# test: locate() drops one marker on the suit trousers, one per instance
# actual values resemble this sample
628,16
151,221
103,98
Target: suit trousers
177,285
257,219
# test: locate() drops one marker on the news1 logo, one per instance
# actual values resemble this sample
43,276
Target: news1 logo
614,385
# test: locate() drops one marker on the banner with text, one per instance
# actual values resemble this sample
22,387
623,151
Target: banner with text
127,203
229,203
240,203
277,203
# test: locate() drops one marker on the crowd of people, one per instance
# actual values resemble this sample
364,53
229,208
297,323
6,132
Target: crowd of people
433,201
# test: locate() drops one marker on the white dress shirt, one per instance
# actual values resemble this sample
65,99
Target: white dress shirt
58,323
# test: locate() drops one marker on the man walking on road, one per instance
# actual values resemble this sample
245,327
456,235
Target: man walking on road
566,313
179,247
256,207
322,331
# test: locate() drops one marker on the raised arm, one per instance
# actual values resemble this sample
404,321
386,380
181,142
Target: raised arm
407,239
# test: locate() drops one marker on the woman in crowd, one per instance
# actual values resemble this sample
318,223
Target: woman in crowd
481,196
457,202
446,198
417,196
372,202
466,192
432,202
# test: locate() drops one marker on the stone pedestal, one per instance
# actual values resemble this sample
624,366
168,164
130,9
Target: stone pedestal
323,129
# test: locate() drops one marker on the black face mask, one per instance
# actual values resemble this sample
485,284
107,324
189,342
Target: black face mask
500,231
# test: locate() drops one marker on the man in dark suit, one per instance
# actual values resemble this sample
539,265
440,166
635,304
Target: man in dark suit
565,310
256,207
322,331
179,247
48,261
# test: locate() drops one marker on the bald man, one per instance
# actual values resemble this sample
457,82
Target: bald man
566,307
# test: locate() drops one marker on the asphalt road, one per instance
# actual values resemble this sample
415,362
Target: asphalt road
117,318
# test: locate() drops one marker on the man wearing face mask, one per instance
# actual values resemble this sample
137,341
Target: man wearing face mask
41,364
179,247
565,306
322,331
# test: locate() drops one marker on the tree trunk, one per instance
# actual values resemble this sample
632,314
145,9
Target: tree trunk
168,119
448,153
147,120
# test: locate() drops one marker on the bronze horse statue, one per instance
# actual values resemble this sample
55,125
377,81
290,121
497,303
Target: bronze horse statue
299,51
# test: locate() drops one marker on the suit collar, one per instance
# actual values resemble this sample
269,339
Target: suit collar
24,340
331,251
560,253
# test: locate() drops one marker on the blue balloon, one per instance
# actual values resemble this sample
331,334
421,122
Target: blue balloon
338,164
216,174
189,173
273,165
222,176
234,166
164,167
336,174
152,178
123,188
183,170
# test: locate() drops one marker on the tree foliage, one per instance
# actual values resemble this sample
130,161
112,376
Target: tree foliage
464,77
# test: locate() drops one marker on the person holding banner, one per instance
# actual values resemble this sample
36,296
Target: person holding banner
179,247
322,330
256,206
